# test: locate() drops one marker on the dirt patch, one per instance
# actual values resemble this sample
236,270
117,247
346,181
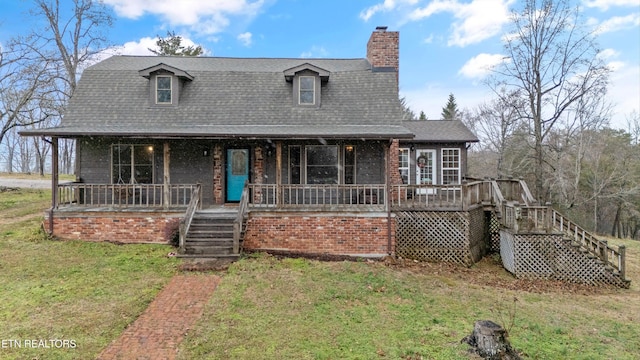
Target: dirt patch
489,272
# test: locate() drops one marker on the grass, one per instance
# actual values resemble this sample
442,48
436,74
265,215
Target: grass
68,290
271,308
32,176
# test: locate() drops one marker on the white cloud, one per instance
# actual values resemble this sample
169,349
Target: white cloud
205,17
617,23
608,53
315,52
606,4
624,91
142,46
475,21
245,38
480,66
387,5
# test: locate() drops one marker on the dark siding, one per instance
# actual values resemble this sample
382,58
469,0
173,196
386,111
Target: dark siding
189,165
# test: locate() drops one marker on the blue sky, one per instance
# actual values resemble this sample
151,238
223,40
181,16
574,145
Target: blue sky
445,45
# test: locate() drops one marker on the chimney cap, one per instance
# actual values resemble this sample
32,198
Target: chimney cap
381,28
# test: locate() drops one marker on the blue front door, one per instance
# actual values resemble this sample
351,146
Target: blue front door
237,172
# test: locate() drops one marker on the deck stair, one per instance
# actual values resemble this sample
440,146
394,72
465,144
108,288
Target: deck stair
210,235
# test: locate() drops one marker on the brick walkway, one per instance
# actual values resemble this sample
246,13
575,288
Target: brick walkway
157,333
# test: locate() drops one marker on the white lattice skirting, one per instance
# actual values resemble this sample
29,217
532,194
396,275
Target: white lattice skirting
549,256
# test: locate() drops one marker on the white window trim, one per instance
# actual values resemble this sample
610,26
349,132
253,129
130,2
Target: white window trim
408,167
443,168
170,89
300,90
434,171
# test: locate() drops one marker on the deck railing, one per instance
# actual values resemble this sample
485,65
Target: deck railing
544,219
434,197
319,196
124,195
599,248
185,222
239,222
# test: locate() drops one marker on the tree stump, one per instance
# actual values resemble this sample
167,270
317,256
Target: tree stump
490,341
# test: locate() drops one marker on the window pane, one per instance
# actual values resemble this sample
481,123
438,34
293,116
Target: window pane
307,90
306,83
306,97
163,89
349,164
322,155
403,165
164,96
294,165
121,164
322,164
322,175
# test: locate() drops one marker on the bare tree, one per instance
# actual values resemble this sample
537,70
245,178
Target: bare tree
553,63
495,123
68,43
23,84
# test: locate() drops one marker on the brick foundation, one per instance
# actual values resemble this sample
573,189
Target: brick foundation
130,227
335,233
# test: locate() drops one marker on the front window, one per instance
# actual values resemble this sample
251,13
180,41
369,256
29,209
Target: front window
307,90
450,166
131,164
322,164
349,164
294,165
403,165
163,90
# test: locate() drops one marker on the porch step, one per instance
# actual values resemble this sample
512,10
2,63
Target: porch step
210,235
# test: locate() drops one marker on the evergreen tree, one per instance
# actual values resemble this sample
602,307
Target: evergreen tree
422,116
407,113
172,46
450,111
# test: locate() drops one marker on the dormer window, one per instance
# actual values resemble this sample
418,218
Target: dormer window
307,88
163,90
165,84
307,81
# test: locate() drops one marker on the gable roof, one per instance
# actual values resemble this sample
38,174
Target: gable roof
290,73
146,73
232,97
440,131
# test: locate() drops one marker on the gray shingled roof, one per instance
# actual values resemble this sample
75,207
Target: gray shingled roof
232,97
440,131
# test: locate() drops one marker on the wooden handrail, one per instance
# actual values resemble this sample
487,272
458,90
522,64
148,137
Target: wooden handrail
599,248
185,222
239,221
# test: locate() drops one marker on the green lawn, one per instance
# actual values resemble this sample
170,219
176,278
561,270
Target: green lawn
68,290
270,308
266,308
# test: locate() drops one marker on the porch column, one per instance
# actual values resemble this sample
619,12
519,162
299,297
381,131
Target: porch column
278,170
54,180
166,178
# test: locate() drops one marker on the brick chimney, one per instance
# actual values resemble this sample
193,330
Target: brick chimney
383,49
